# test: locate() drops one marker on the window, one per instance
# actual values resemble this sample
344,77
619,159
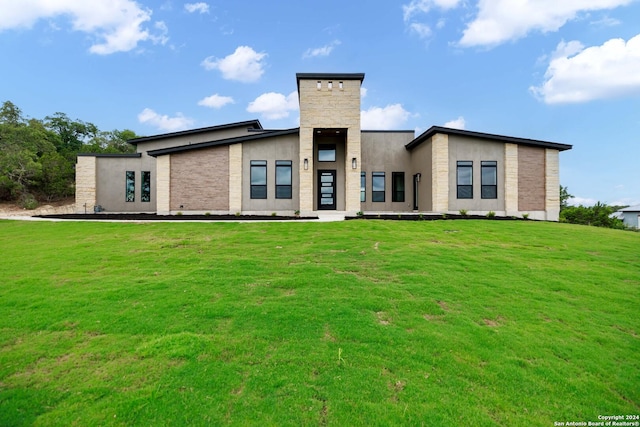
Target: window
397,183
327,153
130,186
283,179
258,179
465,179
489,177
145,191
377,185
330,85
363,186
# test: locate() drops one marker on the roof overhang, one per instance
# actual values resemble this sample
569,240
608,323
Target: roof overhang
486,136
250,124
328,76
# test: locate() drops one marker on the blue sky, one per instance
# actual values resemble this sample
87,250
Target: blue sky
565,71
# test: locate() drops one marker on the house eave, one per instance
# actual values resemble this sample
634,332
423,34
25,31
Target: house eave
253,125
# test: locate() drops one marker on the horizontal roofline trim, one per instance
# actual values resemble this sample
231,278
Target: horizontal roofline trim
388,131
221,142
333,76
132,155
255,124
481,135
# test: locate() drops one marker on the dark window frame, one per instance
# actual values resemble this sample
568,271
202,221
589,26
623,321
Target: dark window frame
145,186
464,191
363,186
397,193
489,191
258,191
327,148
130,186
378,196
284,191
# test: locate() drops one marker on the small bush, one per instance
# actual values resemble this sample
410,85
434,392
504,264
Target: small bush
274,214
207,214
238,214
525,216
360,213
444,216
420,216
491,214
463,212
297,212
27,201
178,213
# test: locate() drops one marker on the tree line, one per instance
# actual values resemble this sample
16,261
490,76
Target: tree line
38,157
598,215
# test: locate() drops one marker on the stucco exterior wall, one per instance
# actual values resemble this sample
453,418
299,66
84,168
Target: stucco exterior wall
179,140
111,182
422,163
272,149
531,179
385,152
200,180
476,150
329,108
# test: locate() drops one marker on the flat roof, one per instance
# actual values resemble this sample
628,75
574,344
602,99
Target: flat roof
488,136
253,124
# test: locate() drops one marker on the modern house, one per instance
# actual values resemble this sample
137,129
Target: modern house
327,164
629,215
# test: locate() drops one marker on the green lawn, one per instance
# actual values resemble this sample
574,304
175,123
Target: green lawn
352,323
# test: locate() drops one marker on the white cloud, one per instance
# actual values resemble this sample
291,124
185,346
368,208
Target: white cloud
424,6
576,74
363,91
584,201
164,122
197,7
117,25
422,30
321,51
458,123
390,117
274,105
216,101
244,65
500,21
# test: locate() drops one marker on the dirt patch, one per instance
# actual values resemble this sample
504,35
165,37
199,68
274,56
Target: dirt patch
66,206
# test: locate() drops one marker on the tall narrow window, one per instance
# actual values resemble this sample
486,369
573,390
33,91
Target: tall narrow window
465,179
258,179
377,187
130,186
363,186
489,180
397,183
145,190
283,179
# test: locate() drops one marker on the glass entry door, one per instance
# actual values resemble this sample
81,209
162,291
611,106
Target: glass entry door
326,190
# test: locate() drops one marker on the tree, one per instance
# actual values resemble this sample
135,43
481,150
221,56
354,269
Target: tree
72,134
564,197
598,215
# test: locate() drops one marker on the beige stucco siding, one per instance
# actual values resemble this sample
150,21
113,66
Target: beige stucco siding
200,180
111,183
531,178
422,163
271,150
385,152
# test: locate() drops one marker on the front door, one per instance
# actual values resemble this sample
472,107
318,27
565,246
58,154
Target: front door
326,190
416,180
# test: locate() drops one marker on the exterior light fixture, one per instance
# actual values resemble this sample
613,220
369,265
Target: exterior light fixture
306,164
354,163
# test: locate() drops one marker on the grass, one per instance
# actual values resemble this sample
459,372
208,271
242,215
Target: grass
353,323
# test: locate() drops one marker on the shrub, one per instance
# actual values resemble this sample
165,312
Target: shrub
360,213
463,212
297,212
491,214
274,214
525,216
27,201
207,214
179,213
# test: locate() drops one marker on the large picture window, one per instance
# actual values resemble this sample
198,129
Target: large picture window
283,179
363,186
130,186
489,178
145,190
465,179
327,153
258,179
377,187
397,183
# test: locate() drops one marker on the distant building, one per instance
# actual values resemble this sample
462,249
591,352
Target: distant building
327,164
630,216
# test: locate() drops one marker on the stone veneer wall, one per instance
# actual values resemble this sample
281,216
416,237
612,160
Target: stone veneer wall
330,108
552,174
531,179
85,184
440,173
163,184
235,178
511,179
200,180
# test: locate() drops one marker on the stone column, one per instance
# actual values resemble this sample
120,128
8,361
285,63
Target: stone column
552,184
235,178
163,184
86,184
511,179
440,172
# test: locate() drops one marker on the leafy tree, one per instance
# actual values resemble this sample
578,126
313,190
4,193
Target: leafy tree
114,141
72,134
564,197
598,215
